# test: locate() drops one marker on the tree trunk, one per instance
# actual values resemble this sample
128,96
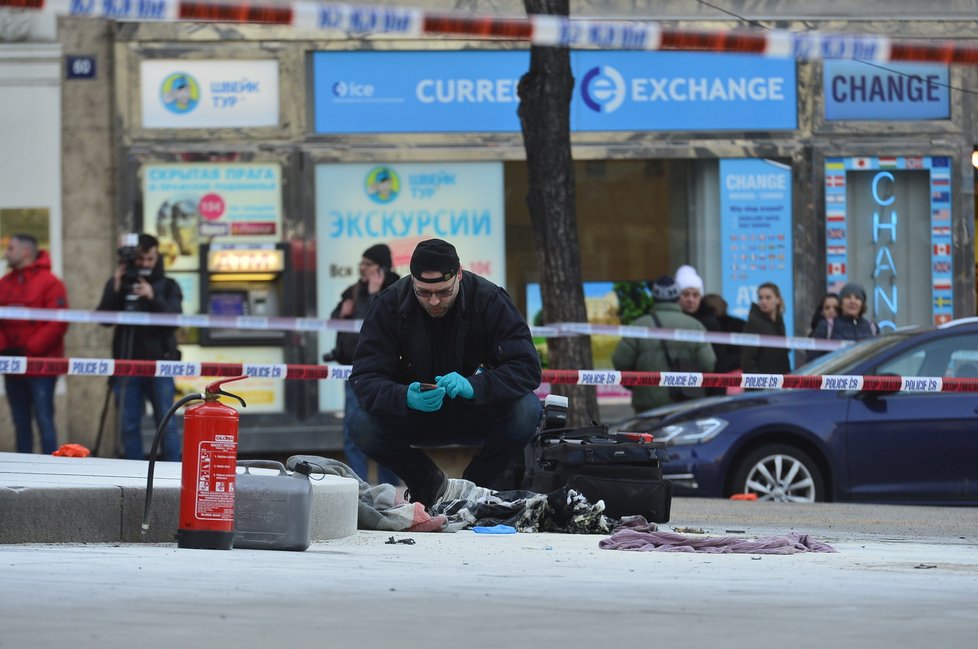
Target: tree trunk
545,93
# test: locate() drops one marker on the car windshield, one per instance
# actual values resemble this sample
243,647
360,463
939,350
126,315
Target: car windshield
841,361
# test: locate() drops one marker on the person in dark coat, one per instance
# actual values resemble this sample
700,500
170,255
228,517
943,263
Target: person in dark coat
355,301
850,324
828,308
30,283
150,291
729,358
766,319
691,302
444,357
657,355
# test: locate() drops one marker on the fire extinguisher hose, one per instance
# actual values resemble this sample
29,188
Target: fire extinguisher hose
147,507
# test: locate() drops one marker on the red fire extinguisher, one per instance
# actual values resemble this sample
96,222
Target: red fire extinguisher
210,454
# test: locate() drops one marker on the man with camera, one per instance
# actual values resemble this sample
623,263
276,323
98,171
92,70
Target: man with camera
140,285
31,284
444,357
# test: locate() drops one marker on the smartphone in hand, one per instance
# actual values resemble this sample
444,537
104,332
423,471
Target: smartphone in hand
428,386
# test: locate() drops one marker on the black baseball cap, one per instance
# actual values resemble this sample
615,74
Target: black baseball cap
434,255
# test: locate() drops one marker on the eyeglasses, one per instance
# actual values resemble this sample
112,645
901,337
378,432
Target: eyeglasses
443,294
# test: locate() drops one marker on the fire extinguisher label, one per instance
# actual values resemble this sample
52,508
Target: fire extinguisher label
216,464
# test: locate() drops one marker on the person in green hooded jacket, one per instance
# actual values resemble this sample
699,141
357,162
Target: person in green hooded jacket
650,354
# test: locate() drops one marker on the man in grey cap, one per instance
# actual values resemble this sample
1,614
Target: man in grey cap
444,357
654,355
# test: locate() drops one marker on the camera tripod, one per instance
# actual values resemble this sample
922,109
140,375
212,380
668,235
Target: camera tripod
127,335
126,348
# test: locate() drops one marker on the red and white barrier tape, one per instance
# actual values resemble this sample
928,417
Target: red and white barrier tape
546,30
763,381
142,318
696,336
109,367
138,318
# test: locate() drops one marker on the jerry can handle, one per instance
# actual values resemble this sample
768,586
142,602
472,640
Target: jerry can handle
263,464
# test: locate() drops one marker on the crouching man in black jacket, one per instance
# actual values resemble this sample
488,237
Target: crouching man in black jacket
444,357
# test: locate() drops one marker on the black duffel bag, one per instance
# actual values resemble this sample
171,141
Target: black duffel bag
625,474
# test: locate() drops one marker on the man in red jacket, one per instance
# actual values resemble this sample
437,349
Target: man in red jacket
31,284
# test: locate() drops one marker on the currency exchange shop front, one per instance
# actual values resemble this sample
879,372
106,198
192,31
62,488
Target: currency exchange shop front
641,211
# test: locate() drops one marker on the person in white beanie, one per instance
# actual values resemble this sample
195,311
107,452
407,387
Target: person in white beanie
691,302
690,289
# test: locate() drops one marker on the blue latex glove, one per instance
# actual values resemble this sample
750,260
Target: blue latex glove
455,385
495,529
426,401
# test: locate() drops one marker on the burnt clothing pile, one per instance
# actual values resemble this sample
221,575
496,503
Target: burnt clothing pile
464,505
564,511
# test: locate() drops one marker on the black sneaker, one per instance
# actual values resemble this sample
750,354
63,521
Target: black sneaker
427,493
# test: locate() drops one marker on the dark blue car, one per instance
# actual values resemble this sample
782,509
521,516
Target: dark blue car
818,445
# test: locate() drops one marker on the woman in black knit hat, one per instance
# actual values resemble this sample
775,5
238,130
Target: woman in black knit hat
850,323
375,276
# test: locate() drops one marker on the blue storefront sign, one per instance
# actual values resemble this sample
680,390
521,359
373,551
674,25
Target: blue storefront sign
878,207
755,231
477,91
857,90
409,92
681,91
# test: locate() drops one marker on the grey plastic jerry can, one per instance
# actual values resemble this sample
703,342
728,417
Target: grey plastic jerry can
272,512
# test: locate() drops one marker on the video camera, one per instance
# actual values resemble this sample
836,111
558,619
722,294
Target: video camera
127,253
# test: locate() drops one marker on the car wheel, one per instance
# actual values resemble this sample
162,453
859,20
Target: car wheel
780,473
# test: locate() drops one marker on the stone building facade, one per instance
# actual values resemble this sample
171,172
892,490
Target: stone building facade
649,199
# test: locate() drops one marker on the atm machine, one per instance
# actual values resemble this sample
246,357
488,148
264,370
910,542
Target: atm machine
243,280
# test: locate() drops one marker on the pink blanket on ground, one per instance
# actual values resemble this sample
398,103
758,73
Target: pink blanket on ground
792,543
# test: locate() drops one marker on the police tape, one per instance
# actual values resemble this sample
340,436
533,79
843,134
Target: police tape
108,367
699,336
562,329
544,30
145,319
115,367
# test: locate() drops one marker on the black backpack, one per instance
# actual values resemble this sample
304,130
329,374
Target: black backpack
622,470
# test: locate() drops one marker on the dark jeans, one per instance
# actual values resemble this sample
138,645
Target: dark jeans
32,393
355,458
503,429
131,392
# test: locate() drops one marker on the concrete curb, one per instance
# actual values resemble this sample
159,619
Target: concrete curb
45,499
